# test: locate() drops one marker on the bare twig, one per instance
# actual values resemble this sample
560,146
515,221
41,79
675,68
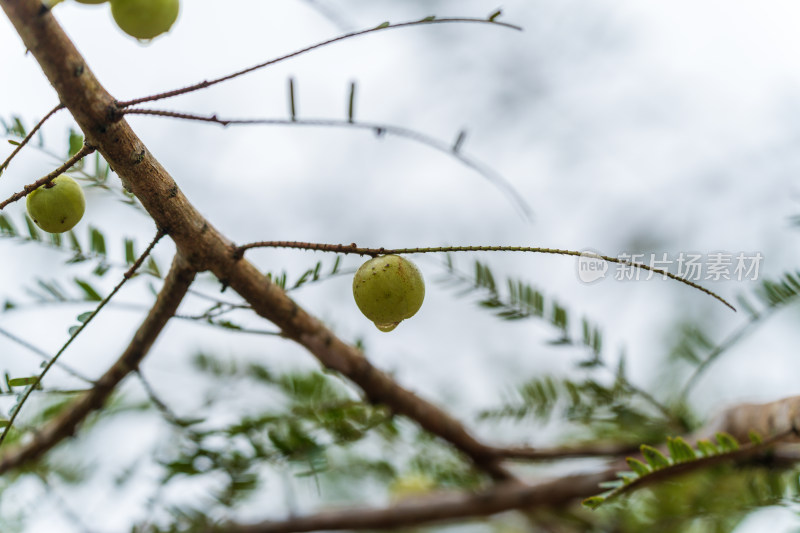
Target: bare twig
44,355
382,27
29,136
721,348
125,277
482,169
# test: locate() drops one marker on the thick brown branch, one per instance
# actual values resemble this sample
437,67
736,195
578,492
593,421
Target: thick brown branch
773,419
439,507
175,286
203,247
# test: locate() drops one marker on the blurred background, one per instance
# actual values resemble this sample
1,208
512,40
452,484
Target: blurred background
626,127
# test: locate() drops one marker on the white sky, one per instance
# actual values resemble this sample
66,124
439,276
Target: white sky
656,127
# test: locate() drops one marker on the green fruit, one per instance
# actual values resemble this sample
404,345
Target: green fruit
388,289
57,208
145,19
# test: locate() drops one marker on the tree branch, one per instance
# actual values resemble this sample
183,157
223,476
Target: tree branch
775,419
203,247
175,286
450,149
353,249
382,27
438,507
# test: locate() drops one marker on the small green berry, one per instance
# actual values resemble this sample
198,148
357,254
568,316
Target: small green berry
388,289
145,19
58,208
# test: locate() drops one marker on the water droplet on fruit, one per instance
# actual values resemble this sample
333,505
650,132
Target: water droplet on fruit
386,327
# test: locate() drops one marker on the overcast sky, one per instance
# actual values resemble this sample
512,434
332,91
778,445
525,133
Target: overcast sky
628,127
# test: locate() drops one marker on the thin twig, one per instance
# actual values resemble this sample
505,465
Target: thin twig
209,83
354,249
719,349
83,152
380,129
436,507
163,408
29,136
125,277
44,355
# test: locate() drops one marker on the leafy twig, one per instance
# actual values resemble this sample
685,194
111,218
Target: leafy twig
354,249
18,407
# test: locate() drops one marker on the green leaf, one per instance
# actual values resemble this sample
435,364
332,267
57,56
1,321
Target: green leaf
84,317
53,289
707,448
97,243
18,128
32,231
654,458
494,15
101,268
91,294
130,252
382,25
73,330
151,267
74,243
755,438
429,18
637,466
6,228
680,450
75,142
594,502
22,382
14,143
727,442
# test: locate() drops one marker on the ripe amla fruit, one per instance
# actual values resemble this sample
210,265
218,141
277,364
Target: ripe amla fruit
145,19
388,289
59,207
